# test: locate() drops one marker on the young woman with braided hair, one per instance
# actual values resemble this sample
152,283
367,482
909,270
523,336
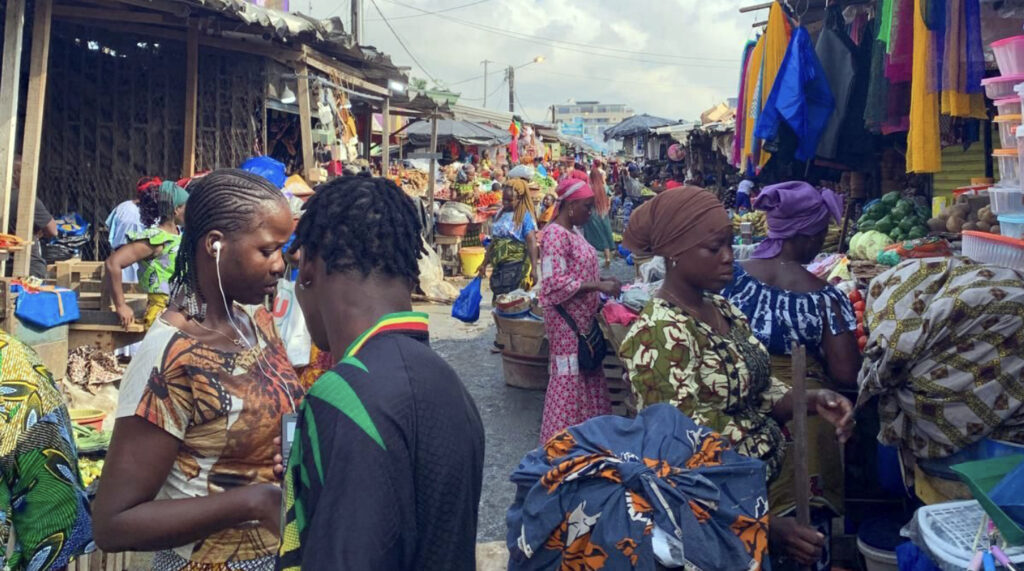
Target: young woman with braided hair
387,463
190,471
154,249
513,249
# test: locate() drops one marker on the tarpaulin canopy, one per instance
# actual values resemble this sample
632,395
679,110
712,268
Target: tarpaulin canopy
464,132
636,125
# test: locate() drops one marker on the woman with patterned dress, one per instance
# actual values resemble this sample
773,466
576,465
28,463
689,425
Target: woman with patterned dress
693,349
513,247
785,304
154,249
571,279
190,471
44,512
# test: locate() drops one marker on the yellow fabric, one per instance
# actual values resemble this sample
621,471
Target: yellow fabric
769,50
924,155
156,304
955,103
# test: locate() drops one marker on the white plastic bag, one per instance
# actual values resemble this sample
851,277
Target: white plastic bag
291,324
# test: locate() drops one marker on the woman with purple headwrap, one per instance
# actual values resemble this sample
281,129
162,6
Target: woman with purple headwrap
785,303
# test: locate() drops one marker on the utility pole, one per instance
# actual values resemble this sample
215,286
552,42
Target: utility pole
357,22
511,89
485,62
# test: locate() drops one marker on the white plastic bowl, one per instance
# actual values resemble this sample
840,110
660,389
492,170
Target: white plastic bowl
1001,87
1008,106
1009,165
1006,199
1011,225
1009,54
1007,130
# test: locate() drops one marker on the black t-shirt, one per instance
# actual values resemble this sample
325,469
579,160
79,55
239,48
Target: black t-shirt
387,463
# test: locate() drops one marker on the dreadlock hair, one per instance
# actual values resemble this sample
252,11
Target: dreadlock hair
154,207
226,200
362,223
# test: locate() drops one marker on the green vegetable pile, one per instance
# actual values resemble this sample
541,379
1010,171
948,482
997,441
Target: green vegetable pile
895,217
545,183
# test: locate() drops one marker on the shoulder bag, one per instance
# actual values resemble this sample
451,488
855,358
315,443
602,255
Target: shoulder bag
592,345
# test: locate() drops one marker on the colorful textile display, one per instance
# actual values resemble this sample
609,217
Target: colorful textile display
924,155
944,355
617,493
762,68
800,96
741,108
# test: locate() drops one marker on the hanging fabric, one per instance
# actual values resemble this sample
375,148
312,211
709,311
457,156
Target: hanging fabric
835,50
741,108
765,61
924,154
801,97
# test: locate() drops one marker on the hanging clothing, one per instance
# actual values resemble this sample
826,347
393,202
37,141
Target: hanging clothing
801,97
835,51
741,108
924,153
573,396
762,69
962,62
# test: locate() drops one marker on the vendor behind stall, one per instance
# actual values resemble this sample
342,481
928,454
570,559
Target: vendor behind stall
513,248
785,303
155,249
694,350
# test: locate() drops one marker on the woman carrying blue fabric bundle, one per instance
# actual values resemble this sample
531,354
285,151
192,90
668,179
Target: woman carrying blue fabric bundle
785,303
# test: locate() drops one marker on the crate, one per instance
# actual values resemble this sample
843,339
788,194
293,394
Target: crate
100,561
619,391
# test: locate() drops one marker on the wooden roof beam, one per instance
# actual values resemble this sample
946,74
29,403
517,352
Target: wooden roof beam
321,62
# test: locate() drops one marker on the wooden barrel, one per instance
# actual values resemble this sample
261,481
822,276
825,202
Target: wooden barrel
522,336
525,371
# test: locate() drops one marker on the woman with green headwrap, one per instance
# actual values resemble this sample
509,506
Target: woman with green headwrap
155,249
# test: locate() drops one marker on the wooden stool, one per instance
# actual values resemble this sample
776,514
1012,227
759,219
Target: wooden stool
448,250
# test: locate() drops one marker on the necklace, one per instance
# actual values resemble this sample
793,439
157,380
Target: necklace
236,340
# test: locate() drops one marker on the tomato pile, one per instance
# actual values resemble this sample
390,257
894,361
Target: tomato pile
858,307
487,199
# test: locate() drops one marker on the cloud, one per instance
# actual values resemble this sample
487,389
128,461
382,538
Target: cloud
672,58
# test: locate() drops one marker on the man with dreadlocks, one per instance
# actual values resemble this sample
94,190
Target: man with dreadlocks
386,468
190,471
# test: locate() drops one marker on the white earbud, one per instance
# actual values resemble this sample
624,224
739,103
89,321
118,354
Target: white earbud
217,246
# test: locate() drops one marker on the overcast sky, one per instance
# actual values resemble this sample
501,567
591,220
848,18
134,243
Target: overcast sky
671,58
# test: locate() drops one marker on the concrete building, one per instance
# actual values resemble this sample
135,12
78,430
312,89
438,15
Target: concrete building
589,119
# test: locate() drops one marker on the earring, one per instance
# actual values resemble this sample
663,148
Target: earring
675,263
305,285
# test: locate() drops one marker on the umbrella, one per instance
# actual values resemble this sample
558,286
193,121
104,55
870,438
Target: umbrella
636,125
464,132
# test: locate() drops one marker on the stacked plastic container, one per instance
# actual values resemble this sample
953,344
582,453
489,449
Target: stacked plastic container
1007,196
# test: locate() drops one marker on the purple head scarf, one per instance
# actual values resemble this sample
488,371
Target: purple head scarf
795,208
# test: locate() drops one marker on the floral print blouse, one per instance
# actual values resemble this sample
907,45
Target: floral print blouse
720,381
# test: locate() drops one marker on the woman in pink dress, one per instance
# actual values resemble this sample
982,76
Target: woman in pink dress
570,278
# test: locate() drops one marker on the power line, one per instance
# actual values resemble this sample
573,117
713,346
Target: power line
401,42
588,47
489,95
431,13
522,107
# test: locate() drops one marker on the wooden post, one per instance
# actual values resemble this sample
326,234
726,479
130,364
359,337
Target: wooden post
385,137
368,134
36,105
801,480
188,164
433,177
10,82
306,123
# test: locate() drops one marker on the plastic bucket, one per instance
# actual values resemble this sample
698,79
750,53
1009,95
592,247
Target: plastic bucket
472,257
90,417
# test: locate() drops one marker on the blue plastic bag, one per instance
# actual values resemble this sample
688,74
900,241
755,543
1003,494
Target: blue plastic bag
45,309
467,306
268,168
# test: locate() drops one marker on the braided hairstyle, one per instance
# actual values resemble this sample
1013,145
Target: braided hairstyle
227,200
362,223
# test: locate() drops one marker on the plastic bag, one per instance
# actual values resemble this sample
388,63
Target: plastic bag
268,168
291,324
467,306
45,307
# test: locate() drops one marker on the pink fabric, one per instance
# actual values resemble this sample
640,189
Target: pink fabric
616,313
567,261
